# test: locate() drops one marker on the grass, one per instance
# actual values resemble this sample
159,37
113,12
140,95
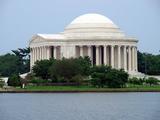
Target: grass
130,88
137,88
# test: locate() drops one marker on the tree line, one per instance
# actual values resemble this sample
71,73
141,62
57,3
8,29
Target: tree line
18,61
77,72
149,63
73,70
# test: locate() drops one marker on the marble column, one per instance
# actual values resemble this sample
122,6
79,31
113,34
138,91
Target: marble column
100,55
108,55
136,67
97,55
125,58
55,52
31,57
45,55
81,51
89,51
112,56
39,53
43,52
48,52
133,59
119,57
105,54
34,54
129,59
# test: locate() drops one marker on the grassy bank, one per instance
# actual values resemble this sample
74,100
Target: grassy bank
83,89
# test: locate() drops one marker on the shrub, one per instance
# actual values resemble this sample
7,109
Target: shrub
98,75
77,79
38,81
116,78
95,82
105,76
41,68
136,81
2,83
14,80
152,81
65,68
60,80
69,68
99,79
85,65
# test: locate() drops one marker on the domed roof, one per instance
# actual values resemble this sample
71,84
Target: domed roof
91,25
91,18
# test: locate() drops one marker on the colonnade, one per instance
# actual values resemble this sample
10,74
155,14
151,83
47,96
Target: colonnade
117,56
43,52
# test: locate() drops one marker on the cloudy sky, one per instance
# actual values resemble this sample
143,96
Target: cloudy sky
20,19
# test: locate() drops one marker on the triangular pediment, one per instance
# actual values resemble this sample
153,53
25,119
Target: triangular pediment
36,39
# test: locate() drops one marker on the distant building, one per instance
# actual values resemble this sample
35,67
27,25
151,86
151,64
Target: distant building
92,35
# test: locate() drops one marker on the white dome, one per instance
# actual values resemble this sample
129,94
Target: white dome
91,25
91,18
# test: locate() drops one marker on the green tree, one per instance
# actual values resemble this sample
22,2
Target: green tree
98,75
77,79
98,79
2,83
14,80
152,81
18,62
23,59
8,65
66,69
41,68
148,63
85,64
116,78
136,81
105,76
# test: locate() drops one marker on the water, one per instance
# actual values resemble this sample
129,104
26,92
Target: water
80,106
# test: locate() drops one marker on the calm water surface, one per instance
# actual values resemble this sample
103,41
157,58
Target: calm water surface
80,106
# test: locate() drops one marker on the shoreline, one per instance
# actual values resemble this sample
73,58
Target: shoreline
75,91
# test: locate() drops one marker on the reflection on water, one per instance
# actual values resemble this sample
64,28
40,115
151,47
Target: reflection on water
80,106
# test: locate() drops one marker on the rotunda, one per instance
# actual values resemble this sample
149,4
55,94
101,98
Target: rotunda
92,35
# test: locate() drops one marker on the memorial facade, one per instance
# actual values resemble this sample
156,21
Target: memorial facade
92,35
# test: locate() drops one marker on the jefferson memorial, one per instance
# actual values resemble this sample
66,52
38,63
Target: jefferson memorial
92,35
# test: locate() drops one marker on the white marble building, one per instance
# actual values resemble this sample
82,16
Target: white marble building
92,35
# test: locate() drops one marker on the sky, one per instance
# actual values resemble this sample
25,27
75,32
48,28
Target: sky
21,19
